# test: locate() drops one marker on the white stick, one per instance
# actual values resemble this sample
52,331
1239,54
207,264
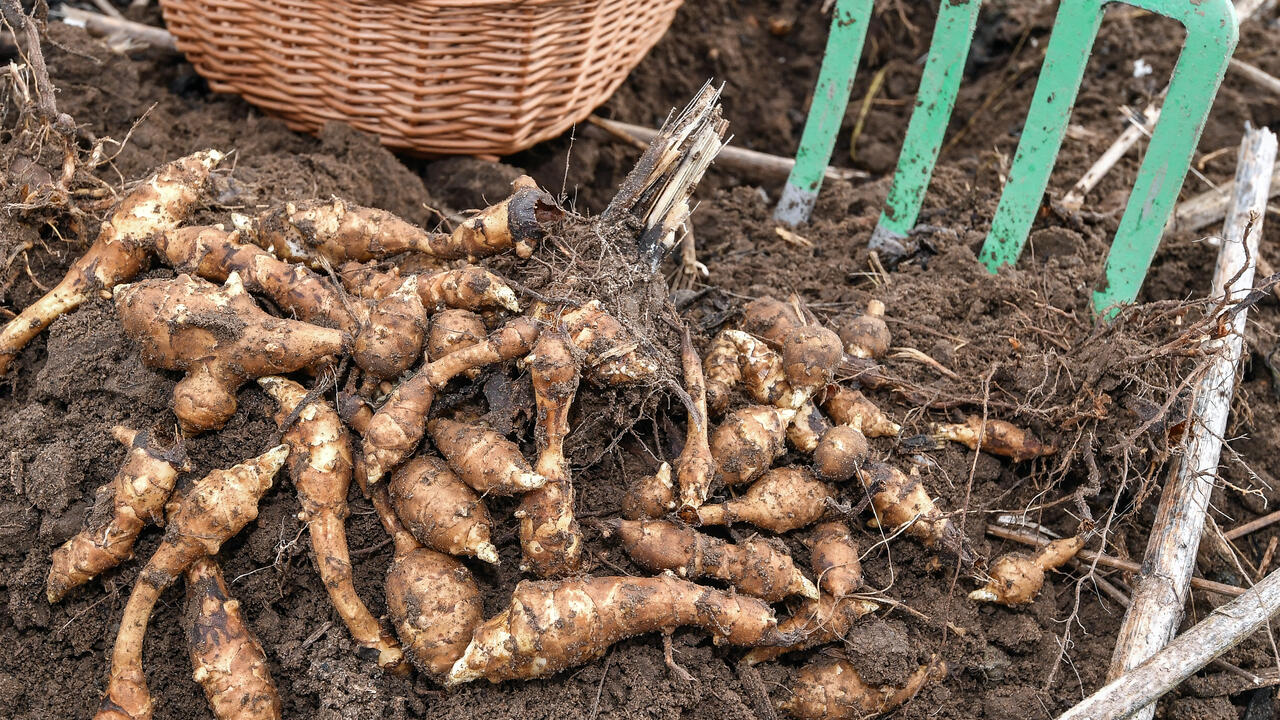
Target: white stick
1161,590
107,25
1223,629
1074,199
1210,207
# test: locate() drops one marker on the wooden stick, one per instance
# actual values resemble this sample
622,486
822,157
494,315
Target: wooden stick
1210,207
106,25
1222,630
1074,199
1161,592
1256,75
1253,526
1110,561
762,165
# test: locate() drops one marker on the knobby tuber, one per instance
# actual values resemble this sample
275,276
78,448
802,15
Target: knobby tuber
900,500
1016,578
121,249
432,599
695,468
467,288
320,465
995,437
550,539
610,353
835,562
652,496
748,441
783,499
850,407
807,428
771,318
136,497
554,624
213,510
736,357
833,690
867,336
455,329
395,430
840,452
753,567
810,356
518,223
483,458
440,510
220,338
226,658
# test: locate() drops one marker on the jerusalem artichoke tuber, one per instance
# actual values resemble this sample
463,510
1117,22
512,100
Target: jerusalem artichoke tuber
610,353
467,288
995,437
771,318
807,428
652,496
695,468
748,441
483,458
840,452
518,223
320,465
440,510
121,249
850,407
554,624
395,430
220,338
752,567
736,357
227,659
137,496
902,501
833,690
550,538
1016,578
455,329
213,510
834,556
783,499
867,336
810,357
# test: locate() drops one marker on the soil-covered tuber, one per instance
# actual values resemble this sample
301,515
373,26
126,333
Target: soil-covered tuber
440,510
834,556
840,452
867,336
468,288
455,329
226,658
810,357
320,465
483,458
696,467
652,496
783,499
220,338
901,500
554,624
210,512
807,428
771,318
121,250
736,357
134,498
850,407
753,567
518,223
995,437
1016,578
748,441
833,690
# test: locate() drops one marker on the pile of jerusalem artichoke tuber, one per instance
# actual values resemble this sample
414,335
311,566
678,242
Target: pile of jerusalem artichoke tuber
348,304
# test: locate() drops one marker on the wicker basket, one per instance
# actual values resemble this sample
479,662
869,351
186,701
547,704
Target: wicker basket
477,77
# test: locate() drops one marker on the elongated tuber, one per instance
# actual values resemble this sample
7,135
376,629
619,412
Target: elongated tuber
320,465
121,249
867,336
900,500
833,690
748,441
213,510
736,357
455,329
468,288
440,510
550,538
995,437
220,338
518,223
835,562
840,452
1016,578
137,496
652,496
554,624
783,499
432,599
753,567
387,331
850,407
483,458
695,468
395,430
226,657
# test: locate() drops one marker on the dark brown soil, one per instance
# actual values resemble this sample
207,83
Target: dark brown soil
1023,344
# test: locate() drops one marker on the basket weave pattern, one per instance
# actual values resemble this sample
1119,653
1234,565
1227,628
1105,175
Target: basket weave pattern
482,77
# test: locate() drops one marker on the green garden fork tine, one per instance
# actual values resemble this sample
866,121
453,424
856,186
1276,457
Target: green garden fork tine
826,112
1212,31
935,100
